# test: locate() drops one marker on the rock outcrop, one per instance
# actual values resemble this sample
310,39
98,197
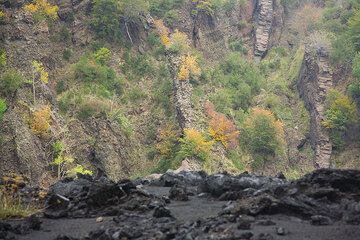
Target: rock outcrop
264,17
314,83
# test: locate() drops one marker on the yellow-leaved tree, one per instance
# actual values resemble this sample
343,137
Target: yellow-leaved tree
189,67
42,9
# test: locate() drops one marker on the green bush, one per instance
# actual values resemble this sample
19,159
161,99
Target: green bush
105,19
3,58
171,17
3,108
88,70
340,111
67,54
354,87
102,56
238,80
262,134
10,81
160,7
137,66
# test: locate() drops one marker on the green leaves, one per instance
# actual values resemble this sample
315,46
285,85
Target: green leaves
3,108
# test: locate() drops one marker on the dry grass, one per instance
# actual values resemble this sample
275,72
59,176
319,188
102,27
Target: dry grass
12,207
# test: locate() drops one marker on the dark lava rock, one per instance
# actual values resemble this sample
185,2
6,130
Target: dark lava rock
162,212
178,193
319,220
221,183
265,222
84,197
263,236
244,225
184,178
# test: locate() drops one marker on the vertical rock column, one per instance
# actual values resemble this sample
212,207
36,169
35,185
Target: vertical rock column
264,16
315,81
182,96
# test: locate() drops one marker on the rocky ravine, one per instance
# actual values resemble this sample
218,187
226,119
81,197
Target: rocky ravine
192,205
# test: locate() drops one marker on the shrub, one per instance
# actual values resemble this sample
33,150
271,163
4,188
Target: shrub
171,17
92,106
340,111
63,35
354,87
161,7
354,29
189,67
102,56
42,9
3,108
304,19
137,66
105,19
179,42
88,70
167,139
163,32
205,6
67,54
221,128
3,58
194,144
65,164
2,16
261,133
10,81
41,120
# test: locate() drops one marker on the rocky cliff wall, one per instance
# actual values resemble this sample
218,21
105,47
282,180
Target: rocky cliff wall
314,83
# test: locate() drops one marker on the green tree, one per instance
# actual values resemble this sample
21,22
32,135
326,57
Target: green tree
354,29
3,108
340,111
105,20
354,87
10,81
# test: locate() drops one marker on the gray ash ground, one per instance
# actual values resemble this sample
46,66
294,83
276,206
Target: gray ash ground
322,205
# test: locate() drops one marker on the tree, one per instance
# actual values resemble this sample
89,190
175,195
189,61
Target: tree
65,164
42,9
10,81
105,20
354,87
221,128
189,67
194,144
340,111
262,133
354,29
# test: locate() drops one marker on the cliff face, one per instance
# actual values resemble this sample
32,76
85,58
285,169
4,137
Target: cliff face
314,83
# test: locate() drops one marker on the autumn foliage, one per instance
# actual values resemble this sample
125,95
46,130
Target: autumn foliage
179,42
41,120
189,67
163,33
194,144
42,8
167,137
40,70
221,128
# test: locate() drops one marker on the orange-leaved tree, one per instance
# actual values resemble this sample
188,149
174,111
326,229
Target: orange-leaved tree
221,128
